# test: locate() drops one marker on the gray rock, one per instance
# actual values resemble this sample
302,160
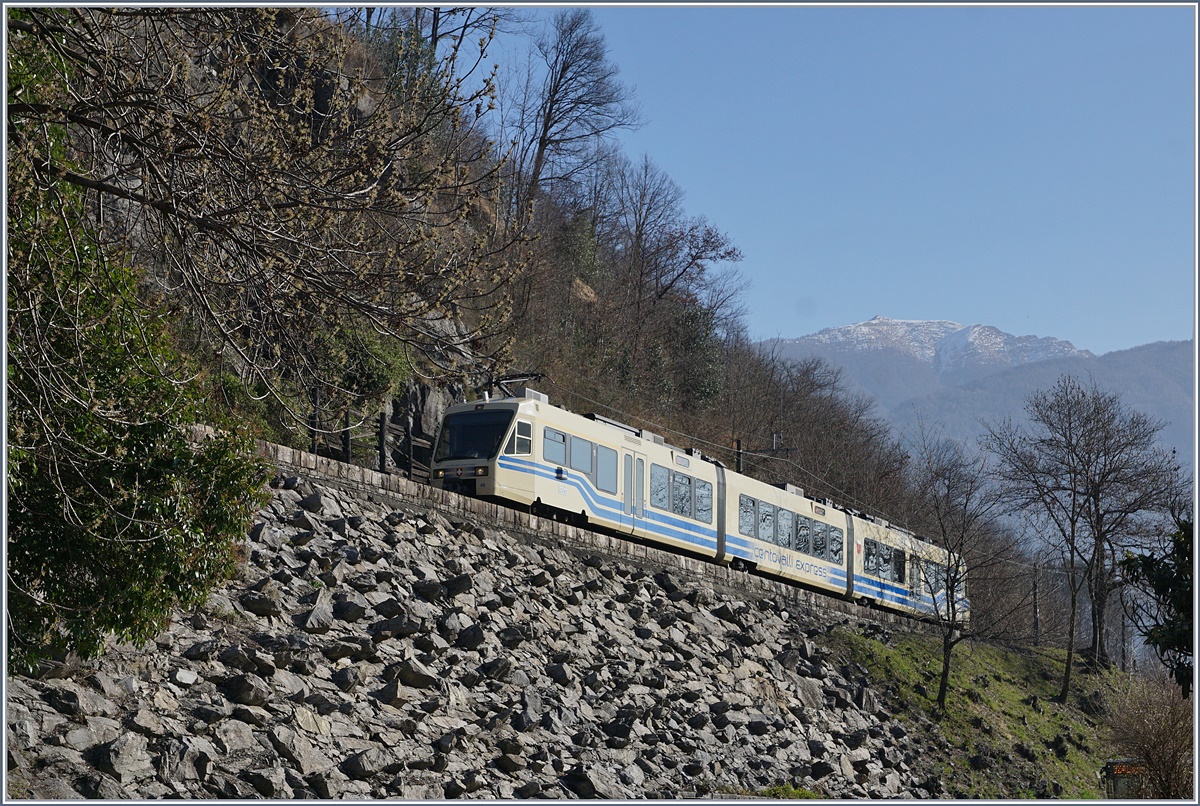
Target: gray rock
321,618
347,678
186,759
270,782
126,758
233,735
395,694
590,782
350,606
70,698
298,750
398,626
314,503
328,784
248,689
371,762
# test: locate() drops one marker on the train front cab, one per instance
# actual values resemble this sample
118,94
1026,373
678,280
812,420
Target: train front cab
585,470
473,439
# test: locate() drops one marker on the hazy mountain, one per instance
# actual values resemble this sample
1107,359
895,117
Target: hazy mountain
955,375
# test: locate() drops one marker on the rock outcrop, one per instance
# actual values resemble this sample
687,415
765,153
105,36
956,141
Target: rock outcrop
375,649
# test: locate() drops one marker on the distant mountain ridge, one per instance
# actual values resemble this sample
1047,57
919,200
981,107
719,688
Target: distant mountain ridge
948,347
941,371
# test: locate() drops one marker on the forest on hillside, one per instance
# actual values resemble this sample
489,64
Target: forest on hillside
259,220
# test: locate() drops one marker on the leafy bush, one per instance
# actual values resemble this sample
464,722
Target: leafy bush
118,512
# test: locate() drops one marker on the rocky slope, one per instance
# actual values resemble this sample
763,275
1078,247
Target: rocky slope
376,649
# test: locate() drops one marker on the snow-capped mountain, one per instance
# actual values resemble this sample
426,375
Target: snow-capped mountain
958,375
954,352
919,339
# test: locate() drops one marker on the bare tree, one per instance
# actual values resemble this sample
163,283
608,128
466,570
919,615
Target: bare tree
959,510
1087,466
1150,720
573,100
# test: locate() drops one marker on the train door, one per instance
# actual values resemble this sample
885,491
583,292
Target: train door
633,495
518,452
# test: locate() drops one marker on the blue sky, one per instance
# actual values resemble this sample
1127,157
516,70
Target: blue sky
1031,168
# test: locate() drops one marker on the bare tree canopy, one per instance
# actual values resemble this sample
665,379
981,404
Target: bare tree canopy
1150,721
1087,467
577,100
196,187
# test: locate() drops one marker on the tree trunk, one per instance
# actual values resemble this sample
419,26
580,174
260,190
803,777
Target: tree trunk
1066,683
944,686
1099,589
1037,613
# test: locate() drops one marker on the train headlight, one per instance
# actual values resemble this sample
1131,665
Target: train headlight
481,471
439,474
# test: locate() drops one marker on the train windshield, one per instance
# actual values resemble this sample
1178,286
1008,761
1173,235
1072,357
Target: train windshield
472,435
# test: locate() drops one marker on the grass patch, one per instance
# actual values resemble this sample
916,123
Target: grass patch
1001,735
789,792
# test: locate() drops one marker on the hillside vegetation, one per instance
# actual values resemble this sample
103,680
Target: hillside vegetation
1005,737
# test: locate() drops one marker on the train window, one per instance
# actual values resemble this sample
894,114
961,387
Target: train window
660,487
555,447
766,521
746,518
521,442
935,577
606,469
803,534
581,455
885,562
819,536
681,495
472,435
871,557
784,529
836,544
704,501
899,563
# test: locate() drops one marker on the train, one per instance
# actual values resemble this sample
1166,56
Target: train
592,471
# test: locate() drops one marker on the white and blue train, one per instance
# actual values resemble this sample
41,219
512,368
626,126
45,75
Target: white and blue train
593,471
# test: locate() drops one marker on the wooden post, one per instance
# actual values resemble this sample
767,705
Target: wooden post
312,423
347,455
738,463
408,440
383,433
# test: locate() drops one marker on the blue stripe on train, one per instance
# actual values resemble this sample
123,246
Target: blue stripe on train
612,509
666,525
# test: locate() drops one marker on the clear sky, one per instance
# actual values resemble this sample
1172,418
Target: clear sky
1031,168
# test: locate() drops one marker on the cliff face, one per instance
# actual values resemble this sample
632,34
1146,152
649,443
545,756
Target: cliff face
376,649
